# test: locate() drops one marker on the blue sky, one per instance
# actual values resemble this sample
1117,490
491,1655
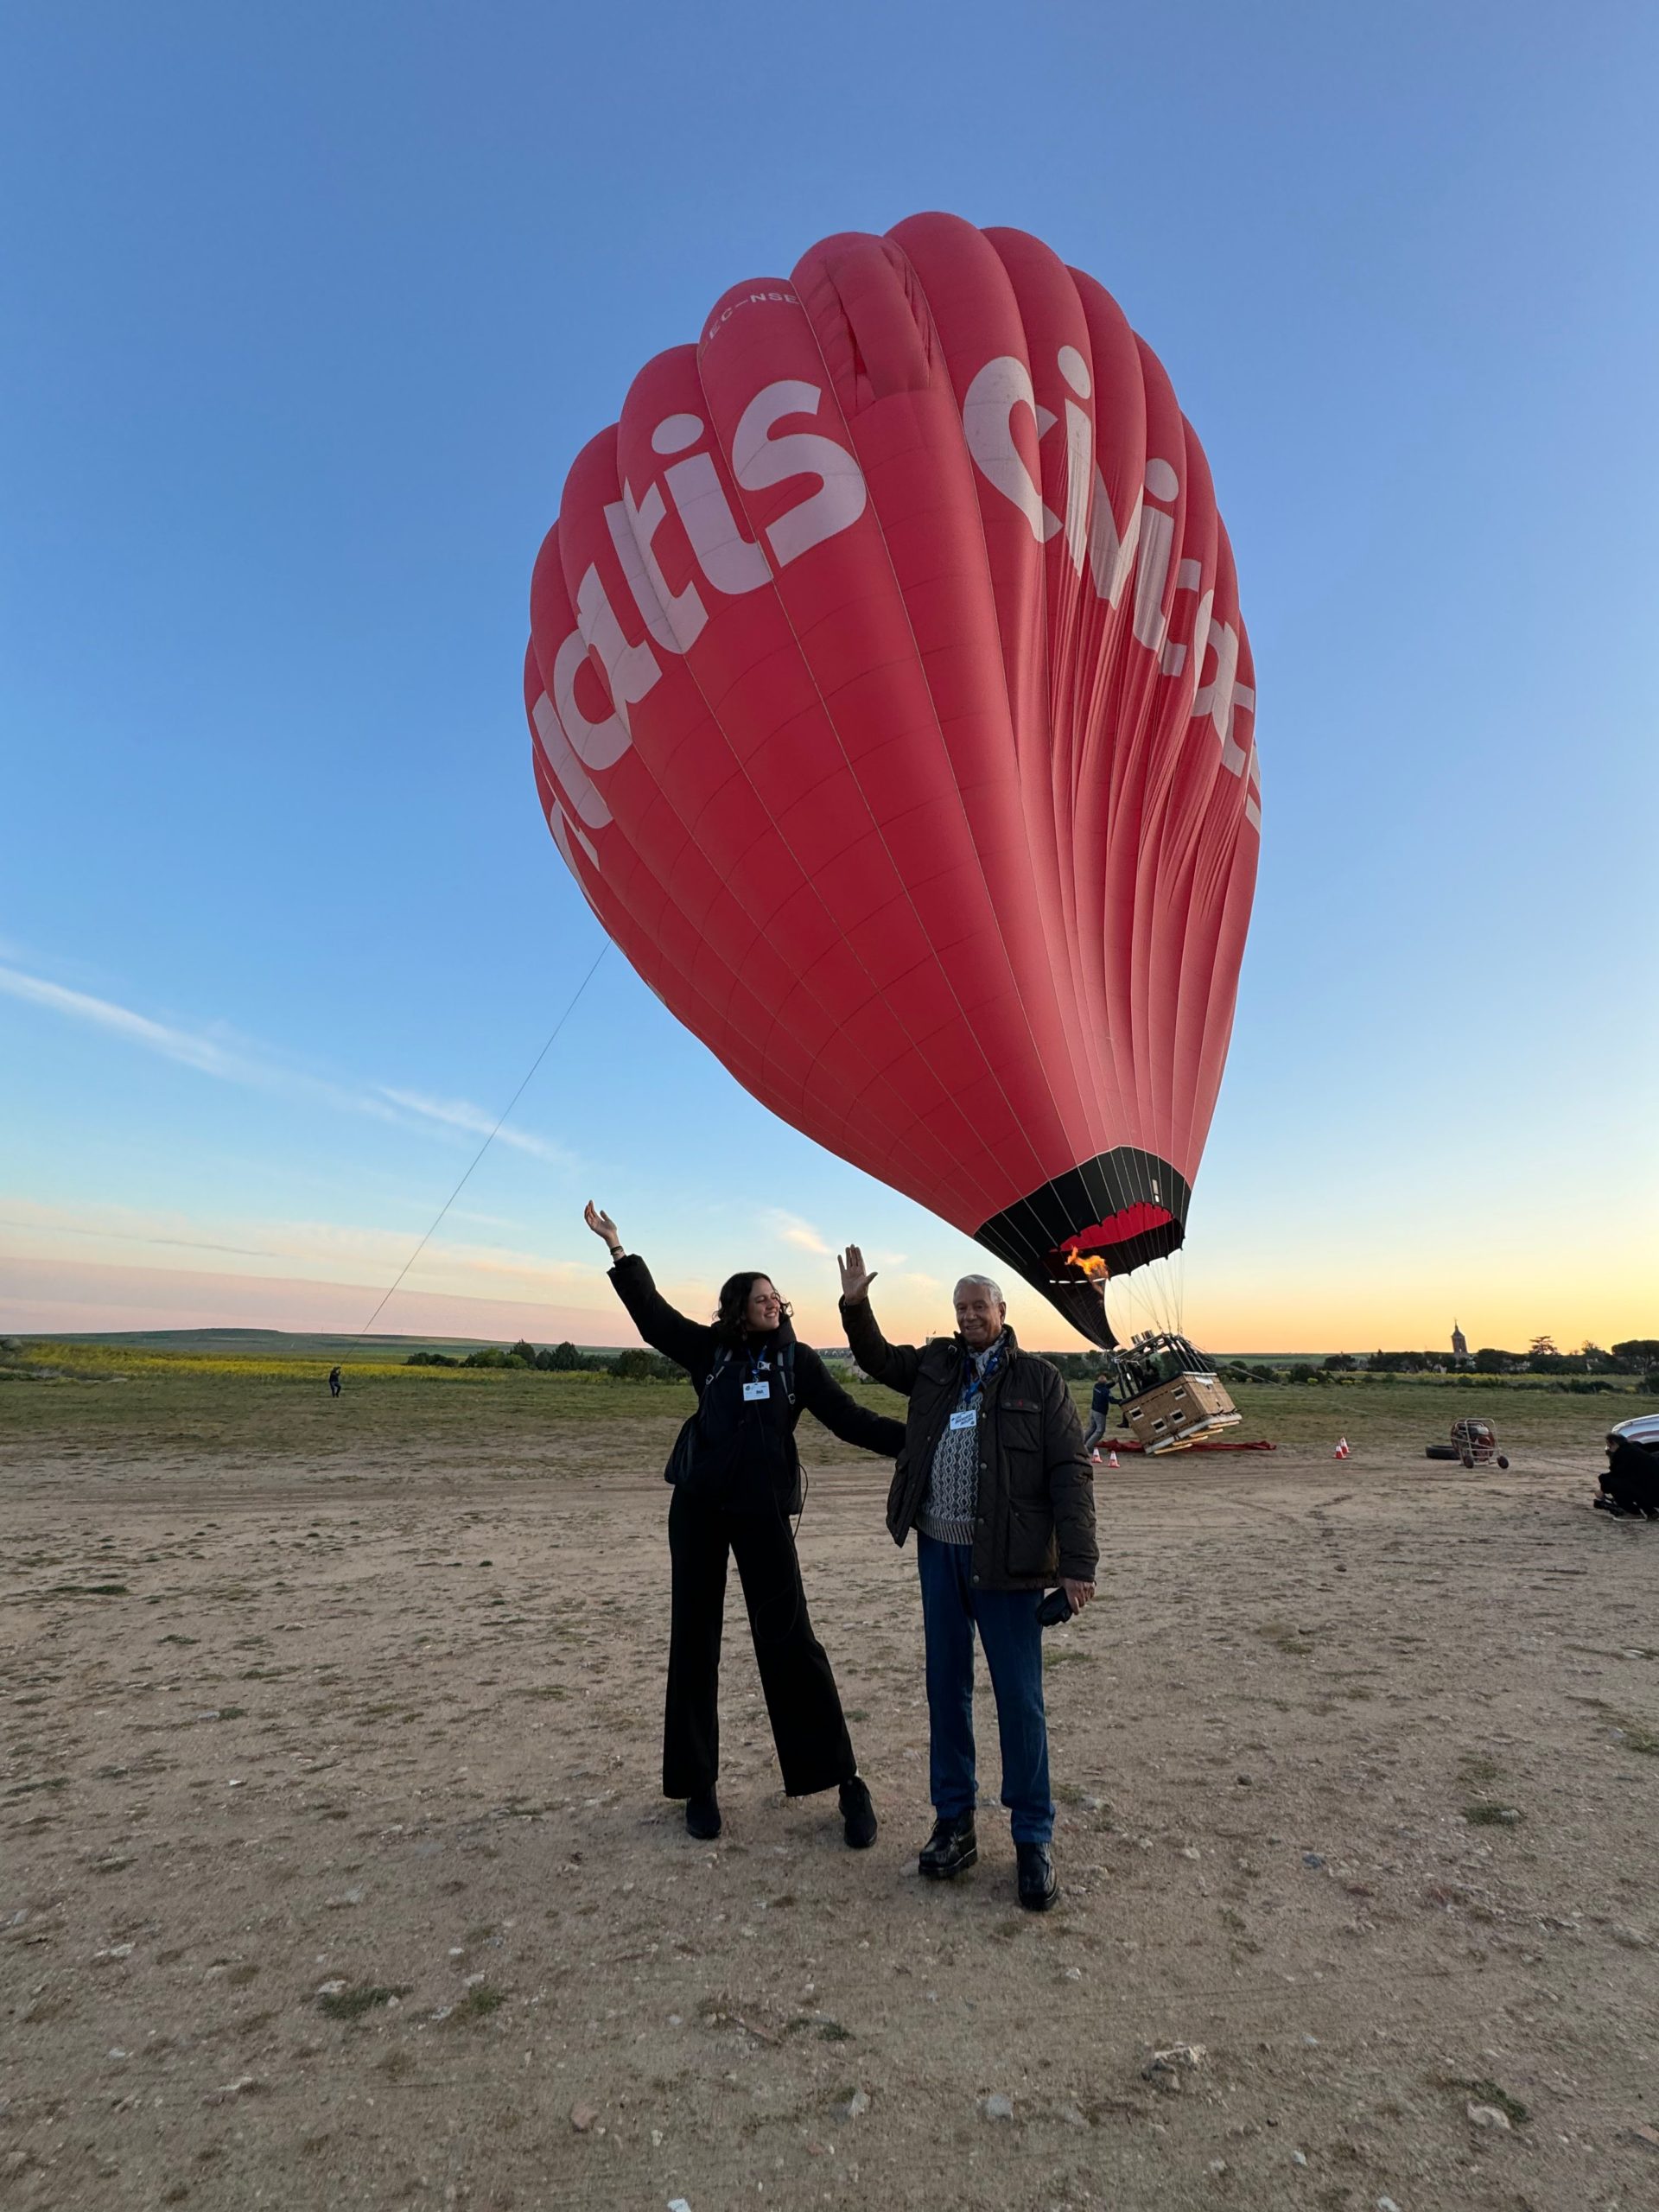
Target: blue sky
305,313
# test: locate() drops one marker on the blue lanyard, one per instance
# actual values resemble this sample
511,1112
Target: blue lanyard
974,1379
757,1365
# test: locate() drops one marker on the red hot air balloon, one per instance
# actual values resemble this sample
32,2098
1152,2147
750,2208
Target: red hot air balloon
893,708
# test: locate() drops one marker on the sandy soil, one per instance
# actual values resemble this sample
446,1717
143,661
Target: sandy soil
335,1872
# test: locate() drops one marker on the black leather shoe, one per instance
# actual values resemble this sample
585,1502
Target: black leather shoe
1038,1887
703,1816
952,1849
857,1813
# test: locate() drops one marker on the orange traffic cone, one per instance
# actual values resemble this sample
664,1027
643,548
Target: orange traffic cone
1341,1452
1112,1461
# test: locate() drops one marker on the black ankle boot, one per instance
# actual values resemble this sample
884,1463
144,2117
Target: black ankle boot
703,1816
857,1813
952,1849
1038,1887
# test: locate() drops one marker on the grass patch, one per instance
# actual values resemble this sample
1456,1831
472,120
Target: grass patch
89,1590
358,1998
203,1398
480,2001
1488,1815
1483,2092
1637,1736
1477,1768
1283,1637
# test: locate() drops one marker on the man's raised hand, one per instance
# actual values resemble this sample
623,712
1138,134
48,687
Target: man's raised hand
856,1278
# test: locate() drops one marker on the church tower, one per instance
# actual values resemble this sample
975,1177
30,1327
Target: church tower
1460,1343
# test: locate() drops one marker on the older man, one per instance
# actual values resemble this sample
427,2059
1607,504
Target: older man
994,1479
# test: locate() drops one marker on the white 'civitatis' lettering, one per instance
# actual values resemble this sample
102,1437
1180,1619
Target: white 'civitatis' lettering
1146,546
630,671
987,424
597,744
1223,698
631,532
1079,454
1111,557
576,785
759,461
730,561
1188,577
1157,543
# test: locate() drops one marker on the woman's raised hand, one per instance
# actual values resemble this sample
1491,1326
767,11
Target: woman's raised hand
602,1226
856,1279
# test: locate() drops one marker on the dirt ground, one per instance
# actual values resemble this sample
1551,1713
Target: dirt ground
335,1871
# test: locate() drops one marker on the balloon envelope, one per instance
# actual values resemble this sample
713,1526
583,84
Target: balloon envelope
891,706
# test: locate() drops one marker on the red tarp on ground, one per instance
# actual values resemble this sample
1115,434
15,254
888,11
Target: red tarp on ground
1134,1443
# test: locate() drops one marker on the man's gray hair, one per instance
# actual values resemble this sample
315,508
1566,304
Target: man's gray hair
982,1282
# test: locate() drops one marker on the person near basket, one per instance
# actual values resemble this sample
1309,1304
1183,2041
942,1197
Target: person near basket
1100,1412
737,1479
995,1480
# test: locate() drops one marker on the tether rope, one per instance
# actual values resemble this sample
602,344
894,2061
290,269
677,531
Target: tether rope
478,1154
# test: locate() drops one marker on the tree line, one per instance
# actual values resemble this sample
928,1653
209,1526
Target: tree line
1635,1356
636,1364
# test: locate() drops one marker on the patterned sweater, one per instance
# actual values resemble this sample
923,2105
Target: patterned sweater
952,1495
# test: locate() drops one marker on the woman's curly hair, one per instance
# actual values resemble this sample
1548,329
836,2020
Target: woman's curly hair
731,1319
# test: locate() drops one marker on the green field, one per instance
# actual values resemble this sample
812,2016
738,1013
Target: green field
107,1399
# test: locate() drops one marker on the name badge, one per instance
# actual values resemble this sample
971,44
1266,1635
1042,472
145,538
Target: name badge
754,1391
966,1419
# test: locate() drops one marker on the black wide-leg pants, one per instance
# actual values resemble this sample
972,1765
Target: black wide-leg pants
814,1749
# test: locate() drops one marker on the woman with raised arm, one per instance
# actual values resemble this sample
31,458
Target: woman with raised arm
737,1479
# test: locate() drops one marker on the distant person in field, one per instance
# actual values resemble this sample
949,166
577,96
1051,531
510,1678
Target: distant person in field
1100,1412
996,1484
334,1382
737,1479
1630,1486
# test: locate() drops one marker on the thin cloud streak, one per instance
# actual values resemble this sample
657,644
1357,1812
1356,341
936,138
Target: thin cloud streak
793,1230
136,1236
199,1052
458,1114
208,1056
329,1250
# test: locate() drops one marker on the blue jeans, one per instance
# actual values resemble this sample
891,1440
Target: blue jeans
1007,1620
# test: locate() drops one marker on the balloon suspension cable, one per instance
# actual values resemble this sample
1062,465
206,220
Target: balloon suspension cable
1151,1298
482,1149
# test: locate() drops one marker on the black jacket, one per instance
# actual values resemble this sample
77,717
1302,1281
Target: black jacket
1036,1513
744,1455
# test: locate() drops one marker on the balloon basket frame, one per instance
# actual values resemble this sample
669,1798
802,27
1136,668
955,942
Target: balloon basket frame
1173,1399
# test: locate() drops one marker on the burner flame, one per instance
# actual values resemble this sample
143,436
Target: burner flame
1089,1265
